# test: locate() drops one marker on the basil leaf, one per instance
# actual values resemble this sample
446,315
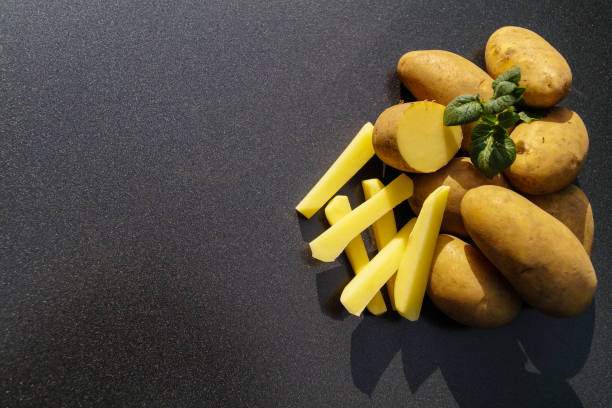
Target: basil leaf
511,75
504,88
492,153
496,105
463,109
508,118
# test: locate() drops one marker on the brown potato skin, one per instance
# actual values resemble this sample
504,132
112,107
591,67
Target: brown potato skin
466,287
544,72
540,257
460,175
572,207
384,140
549,152
441,76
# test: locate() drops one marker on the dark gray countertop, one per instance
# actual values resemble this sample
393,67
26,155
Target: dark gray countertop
152,156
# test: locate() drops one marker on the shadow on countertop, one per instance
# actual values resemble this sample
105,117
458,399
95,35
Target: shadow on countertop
524,364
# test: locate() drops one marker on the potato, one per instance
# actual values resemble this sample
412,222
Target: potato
441,76
460,175
411,137
541,258
549,152
544,72
570,206
466,287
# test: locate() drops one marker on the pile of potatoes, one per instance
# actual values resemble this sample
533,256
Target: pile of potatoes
532,229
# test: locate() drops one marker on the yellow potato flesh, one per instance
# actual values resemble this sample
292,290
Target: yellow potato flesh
353,158
360,290
327,246
413,272
423,141
384,229
355,251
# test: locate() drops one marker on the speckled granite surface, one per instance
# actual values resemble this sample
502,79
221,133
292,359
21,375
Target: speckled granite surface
152,154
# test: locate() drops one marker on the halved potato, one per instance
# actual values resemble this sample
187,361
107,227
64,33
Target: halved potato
411,137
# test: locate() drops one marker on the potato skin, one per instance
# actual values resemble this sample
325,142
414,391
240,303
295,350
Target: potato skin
441,76
544,71
385,143
572,207
549,152
540,257
466,287
460,175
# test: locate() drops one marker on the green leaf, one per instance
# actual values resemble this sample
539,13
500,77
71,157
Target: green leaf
504,88
483,129
496,105
531,115
492,153
463,109
526,118
518,93
508,118
489,117
511,75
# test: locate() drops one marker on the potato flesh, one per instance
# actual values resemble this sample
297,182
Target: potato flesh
327,246
384,229
352,159
423,141
355,251
360,290
413,272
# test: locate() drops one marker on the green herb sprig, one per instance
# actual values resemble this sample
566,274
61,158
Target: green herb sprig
491,149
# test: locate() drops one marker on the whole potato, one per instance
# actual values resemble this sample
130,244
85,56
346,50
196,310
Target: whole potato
466,287
541,258
544,72
460,175
549,152
570,206
441,76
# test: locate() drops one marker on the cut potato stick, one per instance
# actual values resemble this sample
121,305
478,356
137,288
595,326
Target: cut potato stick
327,246
413,272
364,286
352,159
355,251
384,229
